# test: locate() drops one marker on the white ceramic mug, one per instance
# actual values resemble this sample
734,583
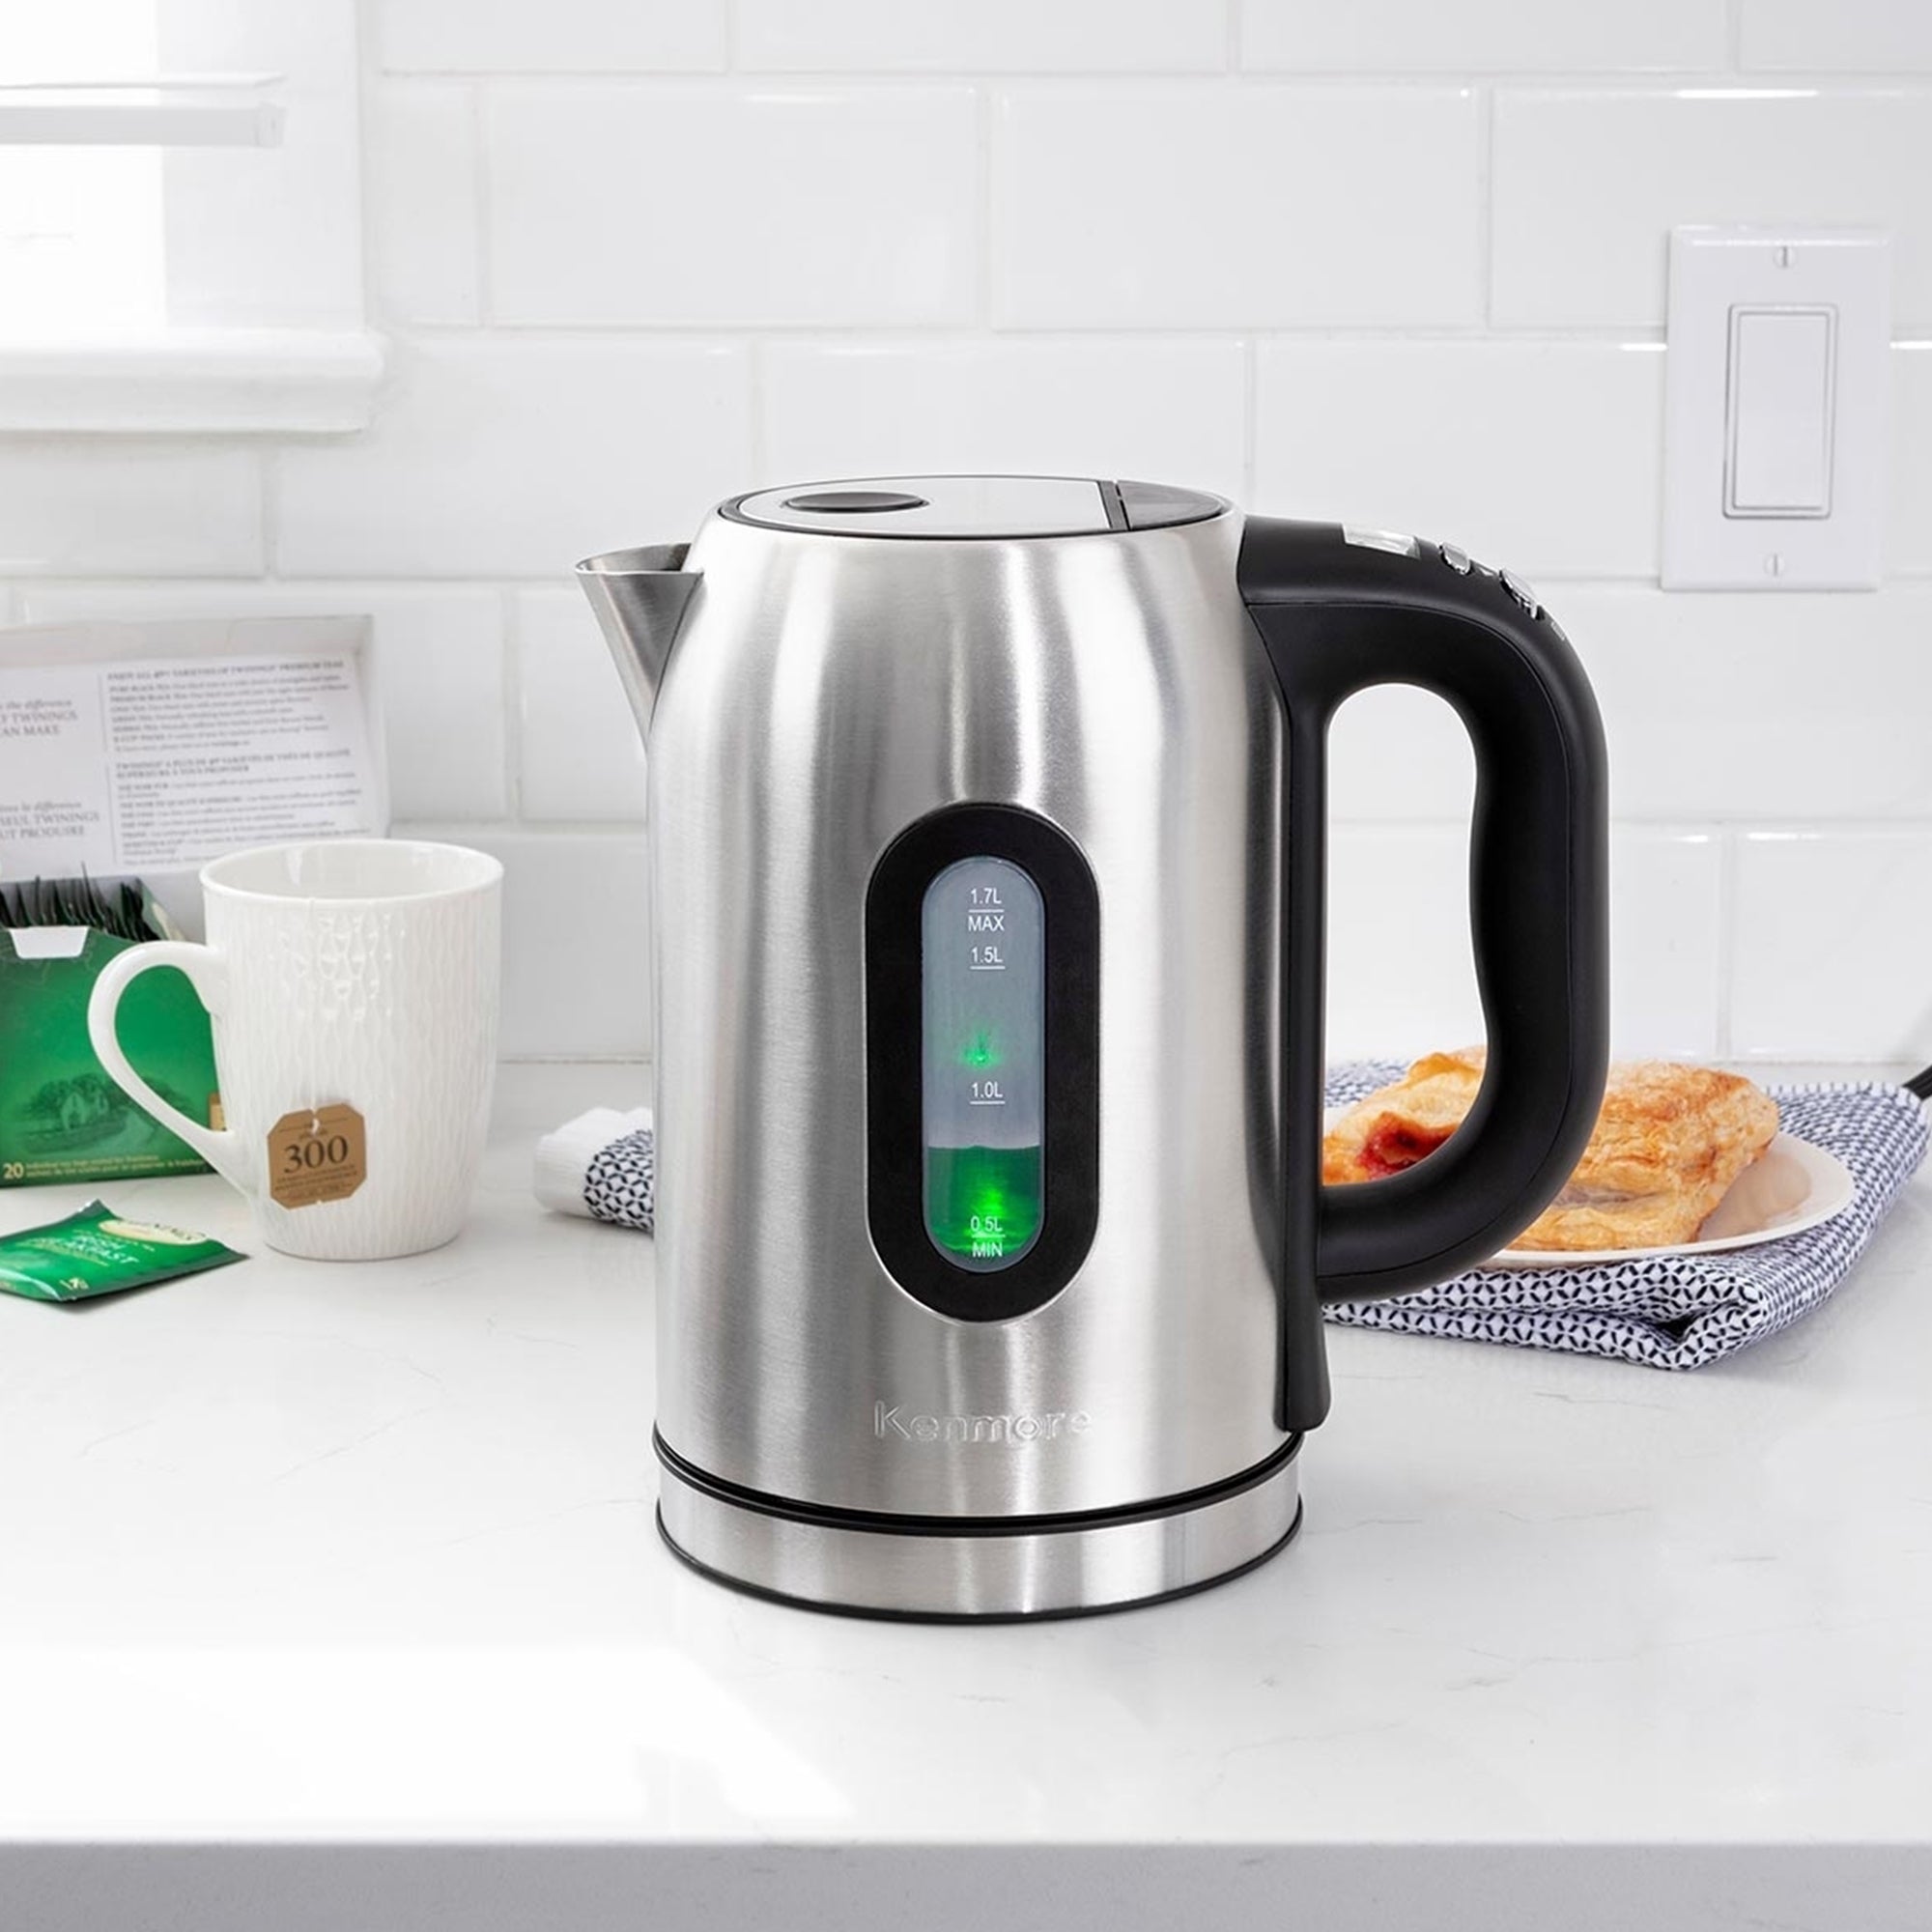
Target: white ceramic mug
356,972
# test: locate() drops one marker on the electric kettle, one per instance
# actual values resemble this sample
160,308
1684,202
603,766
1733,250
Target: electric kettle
986,833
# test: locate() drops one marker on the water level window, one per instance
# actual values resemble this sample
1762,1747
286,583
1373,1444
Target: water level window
982,977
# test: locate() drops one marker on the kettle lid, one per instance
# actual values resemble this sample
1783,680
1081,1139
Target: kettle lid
938,508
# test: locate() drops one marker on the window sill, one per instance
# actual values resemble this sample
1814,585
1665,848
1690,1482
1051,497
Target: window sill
193,382
216,111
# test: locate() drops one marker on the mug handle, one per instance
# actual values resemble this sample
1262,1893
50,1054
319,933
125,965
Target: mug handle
221,1148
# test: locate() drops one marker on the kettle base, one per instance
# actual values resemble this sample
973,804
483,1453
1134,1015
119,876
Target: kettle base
940,1570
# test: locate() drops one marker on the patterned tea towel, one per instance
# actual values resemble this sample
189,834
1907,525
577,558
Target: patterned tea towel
1683,1311
1671,1313
601,1164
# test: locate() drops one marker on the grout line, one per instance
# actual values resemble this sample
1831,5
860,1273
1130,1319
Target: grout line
1660,82
1913,825
1679,827
1753,822
482,194
510,645
1486,202
1728,925
441,826
1234,36
1676,828
758,396
1734,34
1251,388
580,1059
268,504
1914,585
482,573
368,79
728,23
982,207
1378,334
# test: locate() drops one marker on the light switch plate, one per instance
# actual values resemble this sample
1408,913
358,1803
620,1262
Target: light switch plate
1776,400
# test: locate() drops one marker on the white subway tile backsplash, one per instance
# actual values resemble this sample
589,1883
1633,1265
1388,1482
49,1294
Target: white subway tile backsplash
576,942
698,205
1588,184
514,456
1366,262
1475,36
1667,920
1754,707
1830,946
1172,412
128,508
1848,36
1909,535
1399,754
420,154
1235,207
981,36
582,756
1400,975
438,660
1732,708
1543,456
560,35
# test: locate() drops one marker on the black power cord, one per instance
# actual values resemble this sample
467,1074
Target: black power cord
1920,1083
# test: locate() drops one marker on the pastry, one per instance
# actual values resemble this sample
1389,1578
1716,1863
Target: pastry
1668,1145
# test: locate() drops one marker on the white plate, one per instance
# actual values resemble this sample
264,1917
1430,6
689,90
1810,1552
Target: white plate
1794,1186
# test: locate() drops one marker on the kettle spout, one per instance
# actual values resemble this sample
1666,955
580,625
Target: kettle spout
640,598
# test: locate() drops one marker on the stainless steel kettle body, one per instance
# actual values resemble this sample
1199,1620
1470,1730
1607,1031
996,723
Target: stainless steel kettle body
989,1235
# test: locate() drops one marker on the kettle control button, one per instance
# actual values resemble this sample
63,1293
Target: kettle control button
1520,591
1457,559
1396,541
844,502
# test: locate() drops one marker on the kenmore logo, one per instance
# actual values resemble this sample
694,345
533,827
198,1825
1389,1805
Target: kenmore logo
894,1425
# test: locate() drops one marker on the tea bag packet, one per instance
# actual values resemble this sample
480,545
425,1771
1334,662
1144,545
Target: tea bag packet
122,908
97,1252
61,1117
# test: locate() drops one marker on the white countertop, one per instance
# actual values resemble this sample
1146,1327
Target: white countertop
301,1555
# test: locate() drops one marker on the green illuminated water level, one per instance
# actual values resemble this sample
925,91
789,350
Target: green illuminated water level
981,1049
982,1203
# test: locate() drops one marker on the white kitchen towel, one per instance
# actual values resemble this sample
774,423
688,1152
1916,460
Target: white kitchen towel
1676,1312
600,1164
1682,1311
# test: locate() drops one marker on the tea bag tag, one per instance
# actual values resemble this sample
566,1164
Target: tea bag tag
317,1154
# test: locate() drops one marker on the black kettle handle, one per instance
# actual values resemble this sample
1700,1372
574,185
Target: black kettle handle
1336,614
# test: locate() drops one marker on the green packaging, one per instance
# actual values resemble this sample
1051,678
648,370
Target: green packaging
95,1251
61,1117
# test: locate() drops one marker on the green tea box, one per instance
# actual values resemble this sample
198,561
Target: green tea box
61,1117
